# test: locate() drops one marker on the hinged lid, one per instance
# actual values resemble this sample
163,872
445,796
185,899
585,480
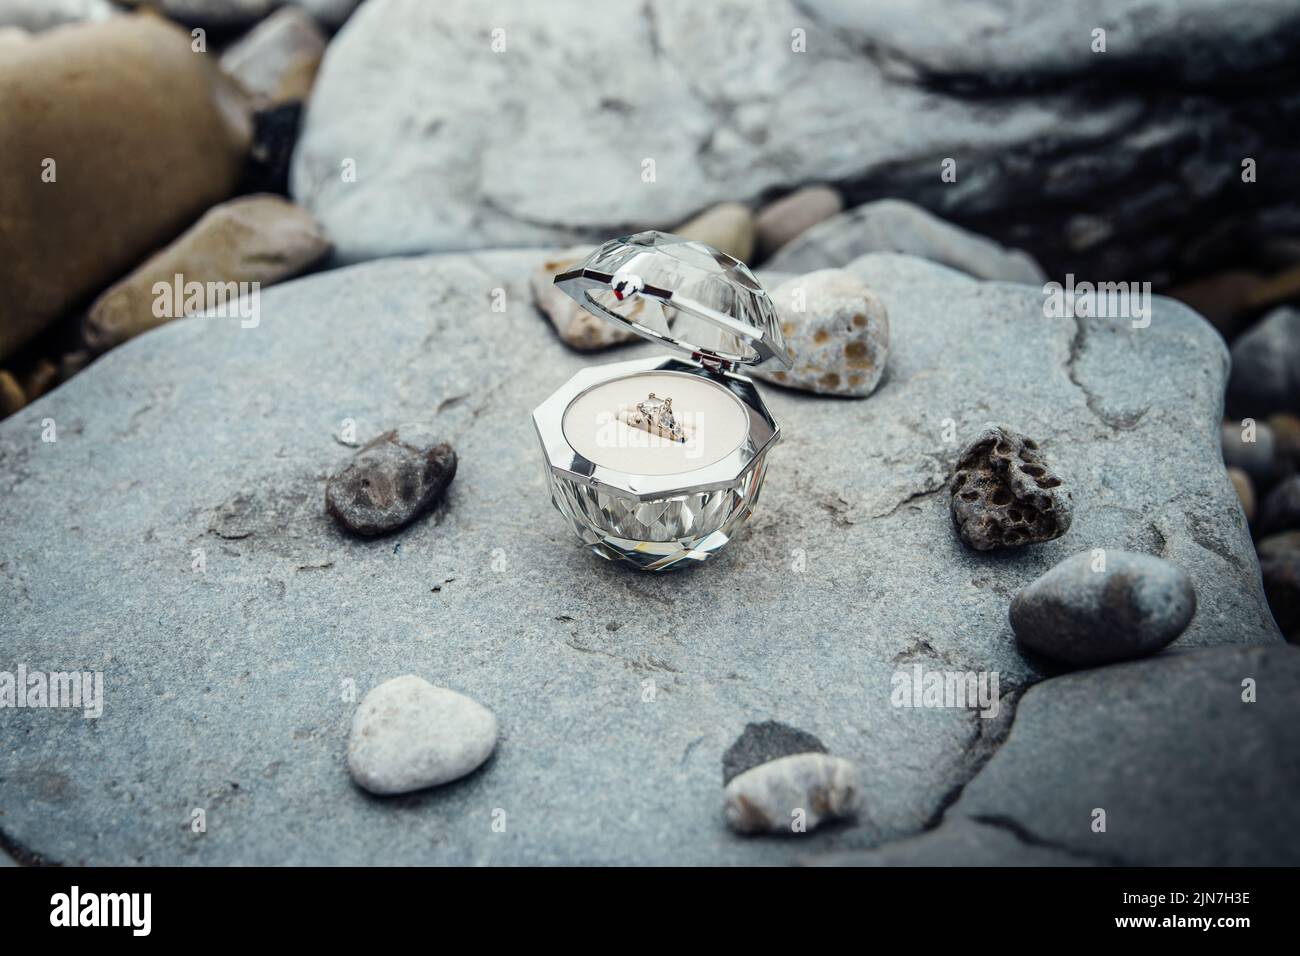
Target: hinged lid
683,294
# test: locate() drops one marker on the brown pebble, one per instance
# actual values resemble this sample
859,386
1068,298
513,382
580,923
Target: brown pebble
1245,492
11,394
389,483
42,377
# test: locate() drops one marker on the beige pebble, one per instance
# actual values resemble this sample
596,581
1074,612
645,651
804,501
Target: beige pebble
836,331
794,214
578,328
276,61
260,238
727,227
12,398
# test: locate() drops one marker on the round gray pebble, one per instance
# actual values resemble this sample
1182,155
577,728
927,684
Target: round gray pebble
1281,508
1256,457
1266,366
1087,612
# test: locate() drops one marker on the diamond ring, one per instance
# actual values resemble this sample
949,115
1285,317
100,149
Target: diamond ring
655,415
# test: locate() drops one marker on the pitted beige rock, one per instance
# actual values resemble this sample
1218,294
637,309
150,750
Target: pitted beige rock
836,331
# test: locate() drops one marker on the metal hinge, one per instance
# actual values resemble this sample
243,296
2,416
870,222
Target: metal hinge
714,363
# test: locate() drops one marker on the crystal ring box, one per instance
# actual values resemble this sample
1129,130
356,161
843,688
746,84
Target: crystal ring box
658,461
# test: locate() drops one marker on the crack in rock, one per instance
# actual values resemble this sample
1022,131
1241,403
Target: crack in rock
22,854
989,736
1116,421
928,491
1029,838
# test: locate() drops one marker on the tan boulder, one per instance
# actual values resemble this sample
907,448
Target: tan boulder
116,135
262,239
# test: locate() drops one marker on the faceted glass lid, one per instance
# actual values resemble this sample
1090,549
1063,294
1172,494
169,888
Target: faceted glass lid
683,294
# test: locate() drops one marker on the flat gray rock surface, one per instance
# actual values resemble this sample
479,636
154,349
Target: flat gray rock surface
616,692
455,125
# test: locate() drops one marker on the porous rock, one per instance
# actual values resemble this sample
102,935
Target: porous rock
836,330
1005,495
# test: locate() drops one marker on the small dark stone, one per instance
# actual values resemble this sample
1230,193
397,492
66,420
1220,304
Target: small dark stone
1004,494
1281,576
275,131
389,483
1102,606
1278,545
763,742
1266,367
1286,429
1257,457
1281,508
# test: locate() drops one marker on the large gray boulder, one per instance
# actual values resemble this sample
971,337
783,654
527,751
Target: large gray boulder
1186,768
37,15
441,126
231,689
1008,43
